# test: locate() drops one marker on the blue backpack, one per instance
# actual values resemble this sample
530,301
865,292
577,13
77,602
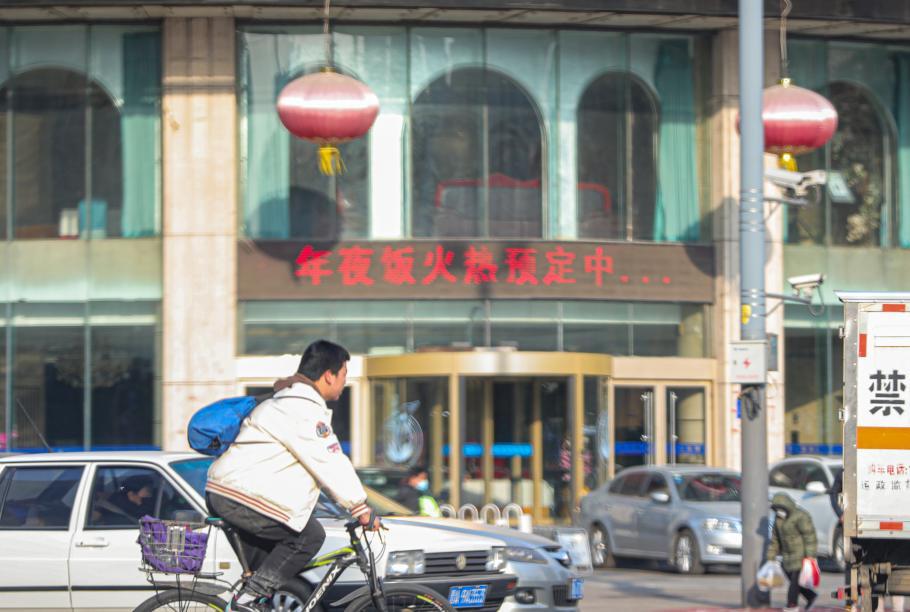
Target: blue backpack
214,428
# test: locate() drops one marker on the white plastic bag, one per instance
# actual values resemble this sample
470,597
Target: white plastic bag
809,575
770,575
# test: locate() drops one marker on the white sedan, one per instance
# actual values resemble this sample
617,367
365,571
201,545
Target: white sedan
66,544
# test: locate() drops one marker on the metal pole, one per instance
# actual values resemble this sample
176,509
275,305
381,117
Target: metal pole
752,296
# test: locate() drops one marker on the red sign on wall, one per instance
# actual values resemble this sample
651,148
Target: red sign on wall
473,269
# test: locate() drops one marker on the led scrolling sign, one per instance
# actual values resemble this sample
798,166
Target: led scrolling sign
427,269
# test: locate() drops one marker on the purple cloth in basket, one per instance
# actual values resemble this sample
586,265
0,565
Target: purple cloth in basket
153,539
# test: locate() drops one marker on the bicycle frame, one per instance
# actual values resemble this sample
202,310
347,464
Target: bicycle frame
341,560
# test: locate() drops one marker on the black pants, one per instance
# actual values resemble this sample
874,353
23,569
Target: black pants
274,551
795,590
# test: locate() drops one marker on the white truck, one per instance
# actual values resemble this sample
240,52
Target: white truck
876,481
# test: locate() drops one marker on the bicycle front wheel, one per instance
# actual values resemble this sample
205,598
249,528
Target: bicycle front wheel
403,598
184,600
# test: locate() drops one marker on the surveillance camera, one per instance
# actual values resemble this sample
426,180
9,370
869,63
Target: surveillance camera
806,281
797,182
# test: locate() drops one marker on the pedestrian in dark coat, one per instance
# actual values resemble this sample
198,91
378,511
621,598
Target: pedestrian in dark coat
793,538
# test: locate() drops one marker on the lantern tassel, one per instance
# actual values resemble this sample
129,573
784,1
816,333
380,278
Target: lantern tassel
787,161
330,162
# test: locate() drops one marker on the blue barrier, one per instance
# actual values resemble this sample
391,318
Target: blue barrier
814,449
502,450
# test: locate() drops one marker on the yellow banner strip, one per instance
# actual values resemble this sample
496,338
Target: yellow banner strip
883,438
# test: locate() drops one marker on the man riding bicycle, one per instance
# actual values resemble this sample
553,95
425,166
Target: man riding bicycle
267,483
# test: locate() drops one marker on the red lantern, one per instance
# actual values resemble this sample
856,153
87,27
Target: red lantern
797,120
327,108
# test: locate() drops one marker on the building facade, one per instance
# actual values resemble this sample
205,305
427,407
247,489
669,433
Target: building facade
533,255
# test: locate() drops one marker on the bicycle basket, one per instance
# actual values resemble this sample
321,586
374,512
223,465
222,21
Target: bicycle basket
173,547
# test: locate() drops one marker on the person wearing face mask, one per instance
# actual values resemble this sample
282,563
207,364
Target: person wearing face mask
414,493
793,538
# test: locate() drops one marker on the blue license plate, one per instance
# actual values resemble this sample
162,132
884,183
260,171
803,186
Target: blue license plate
468,596
576,588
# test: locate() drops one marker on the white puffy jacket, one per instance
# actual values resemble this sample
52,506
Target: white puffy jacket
285,452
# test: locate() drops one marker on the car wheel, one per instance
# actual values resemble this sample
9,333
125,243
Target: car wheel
685,554
838,559
292,596
601,555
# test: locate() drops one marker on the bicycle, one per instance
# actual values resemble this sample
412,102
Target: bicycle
178,548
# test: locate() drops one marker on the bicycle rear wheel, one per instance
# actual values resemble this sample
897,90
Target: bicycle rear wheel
403,598
184,600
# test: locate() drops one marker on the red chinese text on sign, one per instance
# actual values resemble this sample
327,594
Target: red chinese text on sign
355,266
398,265
439,260
311,264
522,264
478,266
599,264
560,262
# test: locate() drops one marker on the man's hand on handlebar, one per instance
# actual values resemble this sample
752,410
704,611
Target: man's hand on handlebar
370,521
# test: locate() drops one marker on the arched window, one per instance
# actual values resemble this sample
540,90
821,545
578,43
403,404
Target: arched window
329,207
66,150
476,151
861,151
617,159
860,161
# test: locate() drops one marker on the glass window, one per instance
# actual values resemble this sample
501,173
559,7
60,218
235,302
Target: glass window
51,344
708,487
449,324
597,327
815,473
634,483
476,158
686,425
657,484
617,159
526,325
38,497
123,382
410,427
84,151
120,496
48,375
788,476
813,364
617,485
596,455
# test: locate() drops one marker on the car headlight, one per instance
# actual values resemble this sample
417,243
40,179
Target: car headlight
405,563
497,559
521,554
718,524
562,556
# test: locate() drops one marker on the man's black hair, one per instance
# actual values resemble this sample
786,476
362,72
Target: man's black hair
415,470
320,356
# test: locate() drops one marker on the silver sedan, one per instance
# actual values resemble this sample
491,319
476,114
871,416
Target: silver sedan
688,516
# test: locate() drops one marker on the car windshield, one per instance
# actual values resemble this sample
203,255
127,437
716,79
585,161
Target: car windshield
708,487
195,472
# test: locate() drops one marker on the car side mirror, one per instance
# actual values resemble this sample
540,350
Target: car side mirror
816,487
660,497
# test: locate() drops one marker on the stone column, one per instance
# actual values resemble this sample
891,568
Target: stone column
723,112
199,308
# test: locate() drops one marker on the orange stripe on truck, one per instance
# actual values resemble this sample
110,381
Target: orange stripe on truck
883,438
894,307
862,345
